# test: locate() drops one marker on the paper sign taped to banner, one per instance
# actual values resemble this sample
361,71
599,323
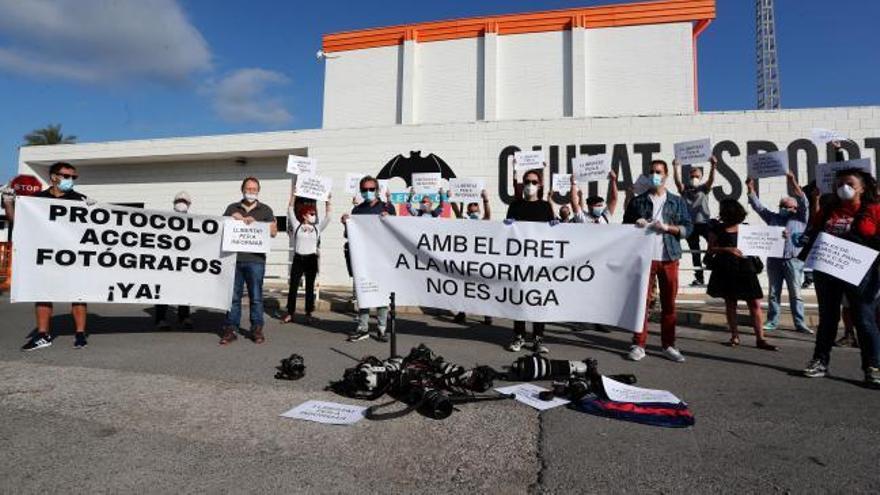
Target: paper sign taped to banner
72,252
772,164
426,182
301,165
690,152
621,392
329,413
825,136
528,160
562,183
465,190
315,187
527,393
840,258
352,182
239,237
765,242
526,271
587,168
825,172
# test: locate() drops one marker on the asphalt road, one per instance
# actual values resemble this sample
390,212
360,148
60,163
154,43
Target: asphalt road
172,412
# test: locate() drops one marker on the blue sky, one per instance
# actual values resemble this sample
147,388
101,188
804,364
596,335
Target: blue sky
110,70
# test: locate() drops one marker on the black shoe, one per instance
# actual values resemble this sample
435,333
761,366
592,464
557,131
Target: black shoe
382,337
698,283
807,284
538,346
38,341
488,321
460,318
79,341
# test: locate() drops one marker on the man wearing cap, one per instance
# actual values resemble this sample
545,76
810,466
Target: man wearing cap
181,205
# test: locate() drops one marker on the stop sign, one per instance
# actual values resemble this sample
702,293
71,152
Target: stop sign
26,185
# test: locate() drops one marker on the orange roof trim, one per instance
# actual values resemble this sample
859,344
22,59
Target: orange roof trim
631,14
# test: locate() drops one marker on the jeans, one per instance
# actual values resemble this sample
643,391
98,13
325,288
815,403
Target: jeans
251,274
792,272
693,242
302,265
364,319
666,274
829,292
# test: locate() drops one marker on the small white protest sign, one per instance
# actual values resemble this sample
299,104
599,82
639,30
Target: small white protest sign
329,413
426,182
528,160
315,187
466,190
690,152
825,172
772,164
825,136
756,240
384,187
239,237
840,258
562,183
587,168
352,182
528,395
621,392
301,165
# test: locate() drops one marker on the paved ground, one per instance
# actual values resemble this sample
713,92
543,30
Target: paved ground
160,412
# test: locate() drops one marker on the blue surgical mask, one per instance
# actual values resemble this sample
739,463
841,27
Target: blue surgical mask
597,211
368,195
656,180
65,185
474,216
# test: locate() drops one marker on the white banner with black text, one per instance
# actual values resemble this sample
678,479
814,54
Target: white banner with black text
68,251
524,271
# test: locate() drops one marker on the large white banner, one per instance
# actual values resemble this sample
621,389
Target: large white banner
67,251
524,271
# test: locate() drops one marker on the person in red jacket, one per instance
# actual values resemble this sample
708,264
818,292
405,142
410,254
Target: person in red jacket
853,213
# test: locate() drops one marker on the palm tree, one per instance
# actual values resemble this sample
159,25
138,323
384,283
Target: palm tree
51,134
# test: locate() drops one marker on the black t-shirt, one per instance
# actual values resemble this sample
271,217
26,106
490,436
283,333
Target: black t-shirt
69,195
261,213
530,211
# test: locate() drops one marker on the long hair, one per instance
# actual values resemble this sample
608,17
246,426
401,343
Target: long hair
540,175
869,188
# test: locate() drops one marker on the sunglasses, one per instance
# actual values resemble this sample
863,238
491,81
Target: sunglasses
368,189
533,182
68,176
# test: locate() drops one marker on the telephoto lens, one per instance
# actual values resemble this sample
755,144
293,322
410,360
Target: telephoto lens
434,403
537,367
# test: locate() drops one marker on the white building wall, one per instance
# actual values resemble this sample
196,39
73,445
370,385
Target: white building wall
471,149
640,70
448,84
534,75
362,87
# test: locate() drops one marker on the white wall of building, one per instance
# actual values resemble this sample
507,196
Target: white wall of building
147,171
362,87
534,75
447,82
639,70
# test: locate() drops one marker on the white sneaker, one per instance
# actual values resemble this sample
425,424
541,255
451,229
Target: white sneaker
672,354
636,353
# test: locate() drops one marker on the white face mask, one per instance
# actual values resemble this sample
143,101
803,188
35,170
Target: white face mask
181,207
530,190
250,197
695,181
846,192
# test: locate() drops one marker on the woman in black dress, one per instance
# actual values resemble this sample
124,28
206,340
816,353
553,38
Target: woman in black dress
734,276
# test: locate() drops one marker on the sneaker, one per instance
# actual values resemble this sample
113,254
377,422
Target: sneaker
38,341
872,377
79,341
163,325
538,346
636,353
807,284
847,341
516,344
187,324
460,318
672,354
815,369
805,330
382,336
358,336
769,327
698,283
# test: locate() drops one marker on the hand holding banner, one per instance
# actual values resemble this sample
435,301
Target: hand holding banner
240,237
840,258
764,242
528,160
764,165
314,187
587,168
300,165
690,152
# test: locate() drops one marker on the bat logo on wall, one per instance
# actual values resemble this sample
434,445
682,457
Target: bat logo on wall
404,167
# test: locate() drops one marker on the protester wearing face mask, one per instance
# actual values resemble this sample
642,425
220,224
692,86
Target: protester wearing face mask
696,193
598,210
426,205
249,267
62,178
473,213
666,216
530,208
181,204
305,240
852,214
371,205
793,214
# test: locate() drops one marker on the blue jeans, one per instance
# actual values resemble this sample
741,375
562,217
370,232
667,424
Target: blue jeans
792,272
829,292
250,273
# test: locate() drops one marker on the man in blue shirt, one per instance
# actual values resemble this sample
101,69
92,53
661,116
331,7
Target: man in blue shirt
793,214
